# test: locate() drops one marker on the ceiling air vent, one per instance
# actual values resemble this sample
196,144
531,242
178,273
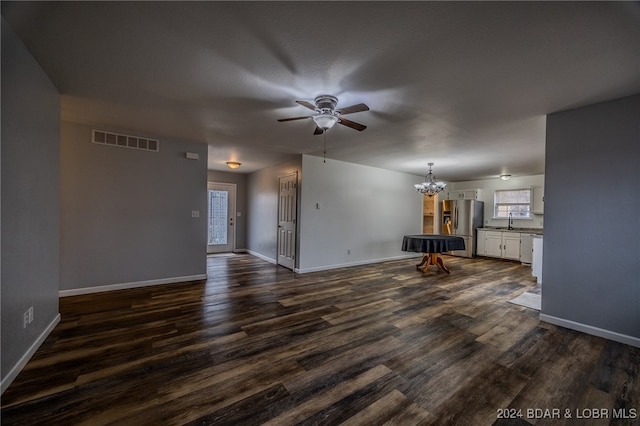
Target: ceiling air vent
125,141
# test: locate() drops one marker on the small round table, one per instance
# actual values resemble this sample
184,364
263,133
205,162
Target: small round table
431,245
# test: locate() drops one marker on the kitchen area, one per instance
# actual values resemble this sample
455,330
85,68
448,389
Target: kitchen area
473,215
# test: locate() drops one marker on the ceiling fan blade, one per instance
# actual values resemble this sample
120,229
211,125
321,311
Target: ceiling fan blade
294,118
309,105
353,108
352,124
318,131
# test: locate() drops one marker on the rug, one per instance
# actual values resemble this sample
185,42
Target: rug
529,300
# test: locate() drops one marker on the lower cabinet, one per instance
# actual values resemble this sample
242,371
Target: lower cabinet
505,245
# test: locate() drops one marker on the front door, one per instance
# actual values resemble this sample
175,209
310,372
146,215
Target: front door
220,218
287,211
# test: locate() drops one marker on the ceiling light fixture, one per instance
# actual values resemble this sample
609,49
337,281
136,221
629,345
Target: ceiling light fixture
325,121
505,177
233,164
430,186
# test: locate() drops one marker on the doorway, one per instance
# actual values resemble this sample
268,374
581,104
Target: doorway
221,201
287,215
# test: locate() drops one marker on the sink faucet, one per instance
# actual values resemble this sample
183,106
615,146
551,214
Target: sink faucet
510,227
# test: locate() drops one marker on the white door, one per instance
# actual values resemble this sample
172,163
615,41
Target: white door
220,218
287,212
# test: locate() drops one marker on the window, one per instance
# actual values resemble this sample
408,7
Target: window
514,201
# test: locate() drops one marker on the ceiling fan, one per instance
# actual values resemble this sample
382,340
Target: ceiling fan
326,114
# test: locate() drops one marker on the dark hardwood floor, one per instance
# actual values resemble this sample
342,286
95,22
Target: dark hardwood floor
377,344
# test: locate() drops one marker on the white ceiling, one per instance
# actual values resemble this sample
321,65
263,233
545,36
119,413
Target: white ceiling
465,85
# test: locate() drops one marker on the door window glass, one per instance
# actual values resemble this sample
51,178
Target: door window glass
218,217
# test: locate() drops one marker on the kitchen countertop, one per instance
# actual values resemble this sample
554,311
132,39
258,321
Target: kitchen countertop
536,231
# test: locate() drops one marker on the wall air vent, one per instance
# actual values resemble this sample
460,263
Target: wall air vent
125,141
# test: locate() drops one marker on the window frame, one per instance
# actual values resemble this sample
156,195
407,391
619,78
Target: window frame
517,213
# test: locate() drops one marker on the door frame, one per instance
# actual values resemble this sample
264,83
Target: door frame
232,224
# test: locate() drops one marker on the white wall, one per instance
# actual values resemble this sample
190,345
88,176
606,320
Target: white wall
487,188
126,215
364,210
30,204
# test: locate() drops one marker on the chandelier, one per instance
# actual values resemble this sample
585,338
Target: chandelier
430,186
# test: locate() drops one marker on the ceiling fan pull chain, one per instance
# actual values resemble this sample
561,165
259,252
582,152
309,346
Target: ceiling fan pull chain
324,152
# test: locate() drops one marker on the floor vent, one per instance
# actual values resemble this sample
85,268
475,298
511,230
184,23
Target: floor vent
125,141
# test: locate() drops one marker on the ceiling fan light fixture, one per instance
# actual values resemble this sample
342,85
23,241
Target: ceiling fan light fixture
325,121
233,164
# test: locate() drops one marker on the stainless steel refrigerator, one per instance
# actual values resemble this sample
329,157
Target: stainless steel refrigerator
462,218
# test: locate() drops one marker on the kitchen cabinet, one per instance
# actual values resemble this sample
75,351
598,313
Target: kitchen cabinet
536,263
493,244
505,245
538,200
511,245
526,248
480,242
464,194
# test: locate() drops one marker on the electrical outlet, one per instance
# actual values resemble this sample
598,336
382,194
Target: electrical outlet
195,213
30,315
25,319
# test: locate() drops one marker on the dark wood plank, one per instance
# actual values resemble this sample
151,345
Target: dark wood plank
367,345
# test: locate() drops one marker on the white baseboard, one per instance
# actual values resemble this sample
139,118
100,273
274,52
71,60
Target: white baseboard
124,286
13,373
357,263
589,329
261,256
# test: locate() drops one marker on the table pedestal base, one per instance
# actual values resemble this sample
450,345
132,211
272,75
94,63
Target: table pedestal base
432,259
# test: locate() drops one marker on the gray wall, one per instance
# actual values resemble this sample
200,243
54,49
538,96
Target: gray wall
591,264
30,204
126,214
262,198
240,180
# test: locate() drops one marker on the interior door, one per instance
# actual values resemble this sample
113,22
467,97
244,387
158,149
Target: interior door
287,215
221,235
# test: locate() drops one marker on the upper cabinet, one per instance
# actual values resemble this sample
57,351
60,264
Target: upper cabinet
464,194
538,200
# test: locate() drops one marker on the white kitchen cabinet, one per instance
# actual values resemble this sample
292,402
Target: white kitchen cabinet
480,243
505,245
493,244
464,194
511,245
538,200
536,263
526,248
